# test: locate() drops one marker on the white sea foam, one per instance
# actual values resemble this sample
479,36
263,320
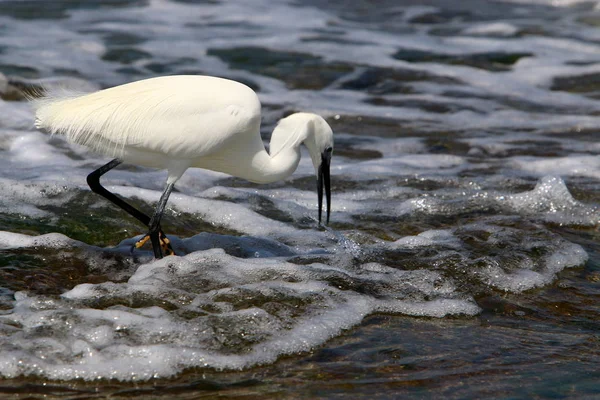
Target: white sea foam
224,313
521,269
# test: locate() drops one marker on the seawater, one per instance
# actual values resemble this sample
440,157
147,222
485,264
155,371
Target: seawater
462,259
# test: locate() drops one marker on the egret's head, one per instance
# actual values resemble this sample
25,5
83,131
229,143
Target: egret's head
320,146
317,136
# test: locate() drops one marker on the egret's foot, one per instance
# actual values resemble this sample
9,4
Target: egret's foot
165,243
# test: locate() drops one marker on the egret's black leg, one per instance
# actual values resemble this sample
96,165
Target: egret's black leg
93,181
155,221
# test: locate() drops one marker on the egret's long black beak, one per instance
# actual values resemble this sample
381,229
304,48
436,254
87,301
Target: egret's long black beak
323,177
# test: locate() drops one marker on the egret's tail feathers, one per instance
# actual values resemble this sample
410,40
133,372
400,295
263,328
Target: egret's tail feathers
48,106
73,114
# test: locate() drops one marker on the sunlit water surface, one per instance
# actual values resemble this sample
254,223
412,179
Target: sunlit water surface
463,255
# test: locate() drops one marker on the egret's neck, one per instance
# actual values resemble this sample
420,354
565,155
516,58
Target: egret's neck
247,157
271,168
284,149
284,153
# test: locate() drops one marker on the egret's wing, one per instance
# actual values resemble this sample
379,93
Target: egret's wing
181,116
192,134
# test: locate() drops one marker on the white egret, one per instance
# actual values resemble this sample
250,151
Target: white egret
178,122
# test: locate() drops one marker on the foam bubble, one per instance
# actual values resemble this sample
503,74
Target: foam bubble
496,28
406,164
551,200
9,240
427,238
574,165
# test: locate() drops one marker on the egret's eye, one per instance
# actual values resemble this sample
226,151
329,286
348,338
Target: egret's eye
329,150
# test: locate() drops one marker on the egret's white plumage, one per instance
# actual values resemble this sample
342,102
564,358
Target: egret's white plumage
179,122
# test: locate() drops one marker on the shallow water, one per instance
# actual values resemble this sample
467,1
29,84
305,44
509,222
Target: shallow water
463,256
